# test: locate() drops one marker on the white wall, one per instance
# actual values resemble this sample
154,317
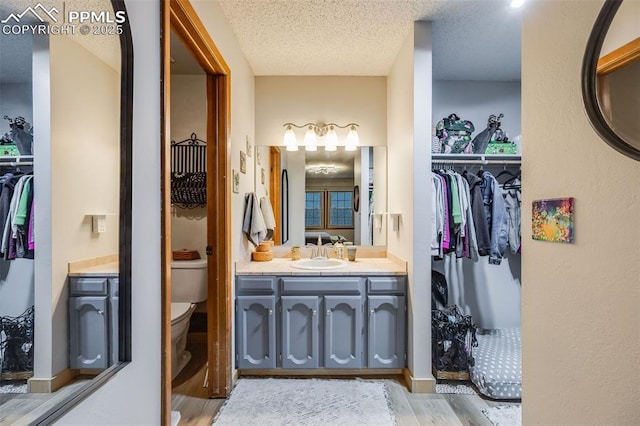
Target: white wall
339,100
242,113
580,312
132,397
409,129
188,115
476,100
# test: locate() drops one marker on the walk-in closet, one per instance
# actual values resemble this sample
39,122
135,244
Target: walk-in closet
476,223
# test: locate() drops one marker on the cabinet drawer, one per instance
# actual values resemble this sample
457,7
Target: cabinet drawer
334,285
87,286
387,284
257,284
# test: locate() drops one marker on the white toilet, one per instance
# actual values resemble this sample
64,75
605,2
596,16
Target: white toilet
188,287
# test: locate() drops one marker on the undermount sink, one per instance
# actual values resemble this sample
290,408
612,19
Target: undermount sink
319,264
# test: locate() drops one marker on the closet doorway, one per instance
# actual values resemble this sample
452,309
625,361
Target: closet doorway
179,18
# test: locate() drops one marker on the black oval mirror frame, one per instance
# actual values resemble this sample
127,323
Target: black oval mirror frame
124,254
589,81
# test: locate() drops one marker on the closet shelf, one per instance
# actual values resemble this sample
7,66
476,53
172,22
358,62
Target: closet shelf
499,159
22,160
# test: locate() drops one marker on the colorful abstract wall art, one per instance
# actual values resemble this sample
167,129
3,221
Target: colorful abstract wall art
552,220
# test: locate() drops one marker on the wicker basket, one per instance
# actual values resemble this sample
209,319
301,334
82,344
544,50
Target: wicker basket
262,256
263,247
186,255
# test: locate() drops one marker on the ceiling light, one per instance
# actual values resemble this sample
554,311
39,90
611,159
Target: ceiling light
516,3
320,130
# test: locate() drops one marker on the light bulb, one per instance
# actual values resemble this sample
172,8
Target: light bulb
331,143
310,141
290,138
516,3
352,140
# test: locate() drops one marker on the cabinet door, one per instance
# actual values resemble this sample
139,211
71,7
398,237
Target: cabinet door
89,332
343,332
386,333
300,332
256,332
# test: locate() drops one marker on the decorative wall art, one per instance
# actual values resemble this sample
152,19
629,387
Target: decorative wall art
249,147
243,162
258,158
236,181
552,220
262,175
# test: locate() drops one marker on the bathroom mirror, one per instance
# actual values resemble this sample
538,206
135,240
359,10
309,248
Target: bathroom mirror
72,86
611,76
320,194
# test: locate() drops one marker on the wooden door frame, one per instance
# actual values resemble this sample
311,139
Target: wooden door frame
180,17
274,190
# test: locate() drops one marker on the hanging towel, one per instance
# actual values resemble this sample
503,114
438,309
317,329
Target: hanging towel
253,224
267,215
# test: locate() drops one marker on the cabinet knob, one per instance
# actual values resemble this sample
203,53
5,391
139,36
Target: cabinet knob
313,312
371,312
328,311
270,311
100,312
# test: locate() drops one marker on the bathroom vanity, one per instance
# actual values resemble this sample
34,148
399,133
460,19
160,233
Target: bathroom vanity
93,317
348,318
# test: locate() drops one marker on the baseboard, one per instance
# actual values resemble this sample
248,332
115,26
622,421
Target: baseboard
418,385
51,384
234,377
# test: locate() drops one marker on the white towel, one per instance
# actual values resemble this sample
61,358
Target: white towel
267,213
253,224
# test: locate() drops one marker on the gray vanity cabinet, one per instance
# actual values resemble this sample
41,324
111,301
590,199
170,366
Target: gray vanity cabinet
114,300
256,322
89,323
300,332
386,305
256,332
343,332
320,322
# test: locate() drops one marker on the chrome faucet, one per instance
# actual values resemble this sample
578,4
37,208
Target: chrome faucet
319,252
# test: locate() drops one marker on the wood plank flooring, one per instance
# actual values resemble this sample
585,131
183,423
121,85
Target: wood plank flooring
410,409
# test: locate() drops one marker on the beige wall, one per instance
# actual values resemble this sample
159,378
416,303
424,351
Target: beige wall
340,100
85,167
624,27
188,115
580,317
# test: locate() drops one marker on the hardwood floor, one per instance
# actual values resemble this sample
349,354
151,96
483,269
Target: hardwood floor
25,408
189,397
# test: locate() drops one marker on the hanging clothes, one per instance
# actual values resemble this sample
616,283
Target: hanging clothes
513,201
16,216
496,215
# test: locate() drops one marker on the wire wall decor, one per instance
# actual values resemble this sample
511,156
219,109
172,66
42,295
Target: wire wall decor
189,173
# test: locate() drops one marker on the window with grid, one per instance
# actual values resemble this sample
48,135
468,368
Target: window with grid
340,209
313,209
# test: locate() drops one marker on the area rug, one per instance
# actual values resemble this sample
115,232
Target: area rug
504,415
306,402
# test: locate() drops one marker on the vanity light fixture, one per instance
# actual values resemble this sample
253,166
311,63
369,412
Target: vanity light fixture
321,130
325,170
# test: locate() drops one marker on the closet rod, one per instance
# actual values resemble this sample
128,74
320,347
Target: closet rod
483,162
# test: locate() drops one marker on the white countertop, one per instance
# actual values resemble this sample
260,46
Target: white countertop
109,270
362,266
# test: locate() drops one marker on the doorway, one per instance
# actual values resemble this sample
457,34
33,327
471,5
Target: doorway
179,18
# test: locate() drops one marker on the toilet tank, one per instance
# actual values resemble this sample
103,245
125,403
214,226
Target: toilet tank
189,280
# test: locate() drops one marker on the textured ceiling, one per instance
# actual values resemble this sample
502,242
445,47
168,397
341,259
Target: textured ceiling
15,51
473,40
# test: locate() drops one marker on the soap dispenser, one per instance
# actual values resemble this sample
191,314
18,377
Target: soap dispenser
338,249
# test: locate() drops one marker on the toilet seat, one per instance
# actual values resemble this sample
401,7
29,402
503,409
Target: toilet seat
180,310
